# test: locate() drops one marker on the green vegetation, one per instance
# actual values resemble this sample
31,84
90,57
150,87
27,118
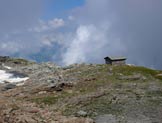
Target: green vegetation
20,61
129,70
52,98
154,93
46,100
102,105
96,78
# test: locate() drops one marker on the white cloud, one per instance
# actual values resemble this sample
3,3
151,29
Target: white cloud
129,28
49,25
90,32
75,52
42,26
54,37
71,18
10,46
91,43
56,23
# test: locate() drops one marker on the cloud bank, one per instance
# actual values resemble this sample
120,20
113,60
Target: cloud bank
16,17
91,44
88,33
23,33
18,14
130,28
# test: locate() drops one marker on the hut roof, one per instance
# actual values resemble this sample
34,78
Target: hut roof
116,58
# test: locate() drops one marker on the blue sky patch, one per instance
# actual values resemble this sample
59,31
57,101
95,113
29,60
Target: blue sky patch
59,8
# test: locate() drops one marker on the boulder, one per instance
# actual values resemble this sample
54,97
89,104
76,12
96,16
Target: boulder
81,113
8,87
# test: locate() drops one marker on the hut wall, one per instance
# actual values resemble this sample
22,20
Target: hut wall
118,62
108,61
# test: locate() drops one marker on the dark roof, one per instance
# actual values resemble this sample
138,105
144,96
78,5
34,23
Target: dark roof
115,58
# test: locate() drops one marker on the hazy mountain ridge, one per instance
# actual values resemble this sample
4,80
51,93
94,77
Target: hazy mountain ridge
80,93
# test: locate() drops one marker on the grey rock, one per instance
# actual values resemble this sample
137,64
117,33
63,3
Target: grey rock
67,67
81,113
159,75
4,58
107,118
59,86
140,119
9,86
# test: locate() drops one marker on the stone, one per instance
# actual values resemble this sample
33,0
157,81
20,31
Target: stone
33,110
81,113
159,74
64,119
42,92
59,86
107,118
9,86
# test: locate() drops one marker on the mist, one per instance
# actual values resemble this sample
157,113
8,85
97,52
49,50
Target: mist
111,27
15,19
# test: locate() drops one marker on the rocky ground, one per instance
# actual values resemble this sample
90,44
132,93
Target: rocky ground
80,93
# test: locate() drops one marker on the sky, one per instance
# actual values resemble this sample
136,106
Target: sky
77,31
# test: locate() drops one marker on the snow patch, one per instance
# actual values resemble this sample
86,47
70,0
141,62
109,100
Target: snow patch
7,67
9,77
